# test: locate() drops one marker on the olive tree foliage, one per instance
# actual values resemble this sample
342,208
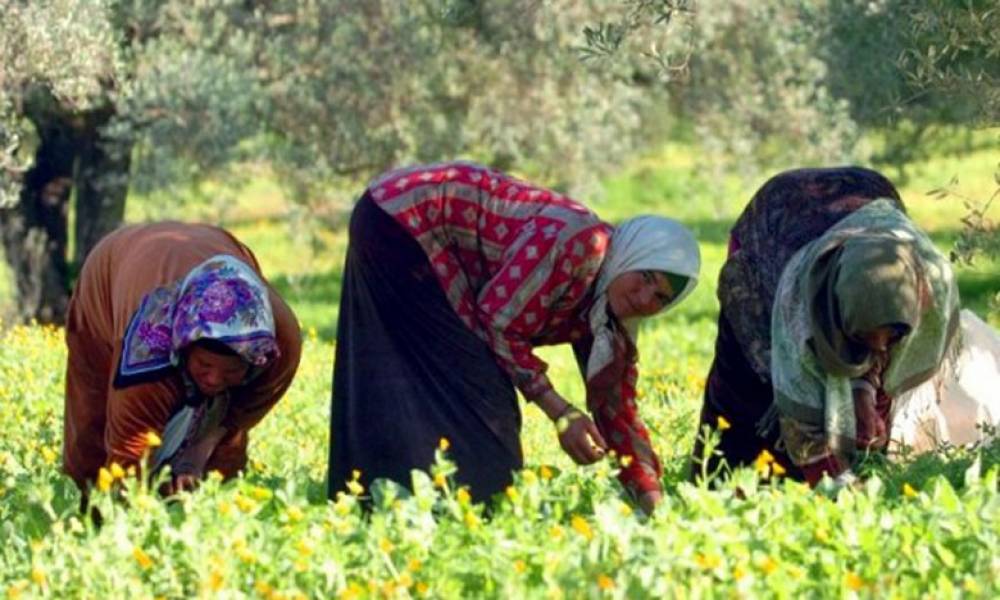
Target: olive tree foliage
909,67
99,97
794,82
945,70
954,61
498,81
745,73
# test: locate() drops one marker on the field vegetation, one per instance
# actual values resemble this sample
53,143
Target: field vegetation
921,528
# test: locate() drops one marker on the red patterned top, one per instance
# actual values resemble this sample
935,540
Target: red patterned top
517,263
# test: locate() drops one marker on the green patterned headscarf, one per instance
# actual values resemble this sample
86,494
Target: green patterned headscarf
862,283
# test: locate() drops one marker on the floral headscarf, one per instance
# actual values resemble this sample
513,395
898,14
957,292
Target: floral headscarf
222,299
639,244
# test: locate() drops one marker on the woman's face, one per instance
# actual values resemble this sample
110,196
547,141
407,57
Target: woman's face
639,294
881,338
214,373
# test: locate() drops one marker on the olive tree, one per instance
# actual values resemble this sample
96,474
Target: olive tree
98,97
795,81
58,66
745,74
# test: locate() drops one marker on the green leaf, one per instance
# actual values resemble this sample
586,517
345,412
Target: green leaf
945,555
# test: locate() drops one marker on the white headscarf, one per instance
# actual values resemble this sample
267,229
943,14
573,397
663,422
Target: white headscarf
645,243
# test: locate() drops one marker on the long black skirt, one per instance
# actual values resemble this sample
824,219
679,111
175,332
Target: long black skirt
409,372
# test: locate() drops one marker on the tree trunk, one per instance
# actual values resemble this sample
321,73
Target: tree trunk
72,151
101,185
34,231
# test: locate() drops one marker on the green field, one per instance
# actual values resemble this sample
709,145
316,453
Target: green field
928,528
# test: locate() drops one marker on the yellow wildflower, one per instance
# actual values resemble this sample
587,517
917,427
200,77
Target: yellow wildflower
215,580
777,469
104,479
304,547
48,455
581,526
722,424
355,488
520,566
422,588
768,565
822,535
853,582
763,461
556,532
444,444
414,564
908,491
15,589
386,545
707,561
471,520
153,439
260,493
626,460
463,496
117,471
545,473
38,575
245,555
244,504
605,583
145,562
405,580
739,573
511,492
294,513
352,591
971,586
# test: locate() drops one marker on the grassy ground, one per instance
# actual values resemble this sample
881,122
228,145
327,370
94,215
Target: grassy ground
921,529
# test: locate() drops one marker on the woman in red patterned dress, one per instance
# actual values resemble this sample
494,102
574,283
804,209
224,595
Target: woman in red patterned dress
454,273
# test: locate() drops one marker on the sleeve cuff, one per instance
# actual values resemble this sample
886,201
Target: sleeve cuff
638,479
536,387
828,464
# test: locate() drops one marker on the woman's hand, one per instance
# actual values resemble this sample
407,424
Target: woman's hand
871,431
188,467
578,435
183,481
649,500
580,438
